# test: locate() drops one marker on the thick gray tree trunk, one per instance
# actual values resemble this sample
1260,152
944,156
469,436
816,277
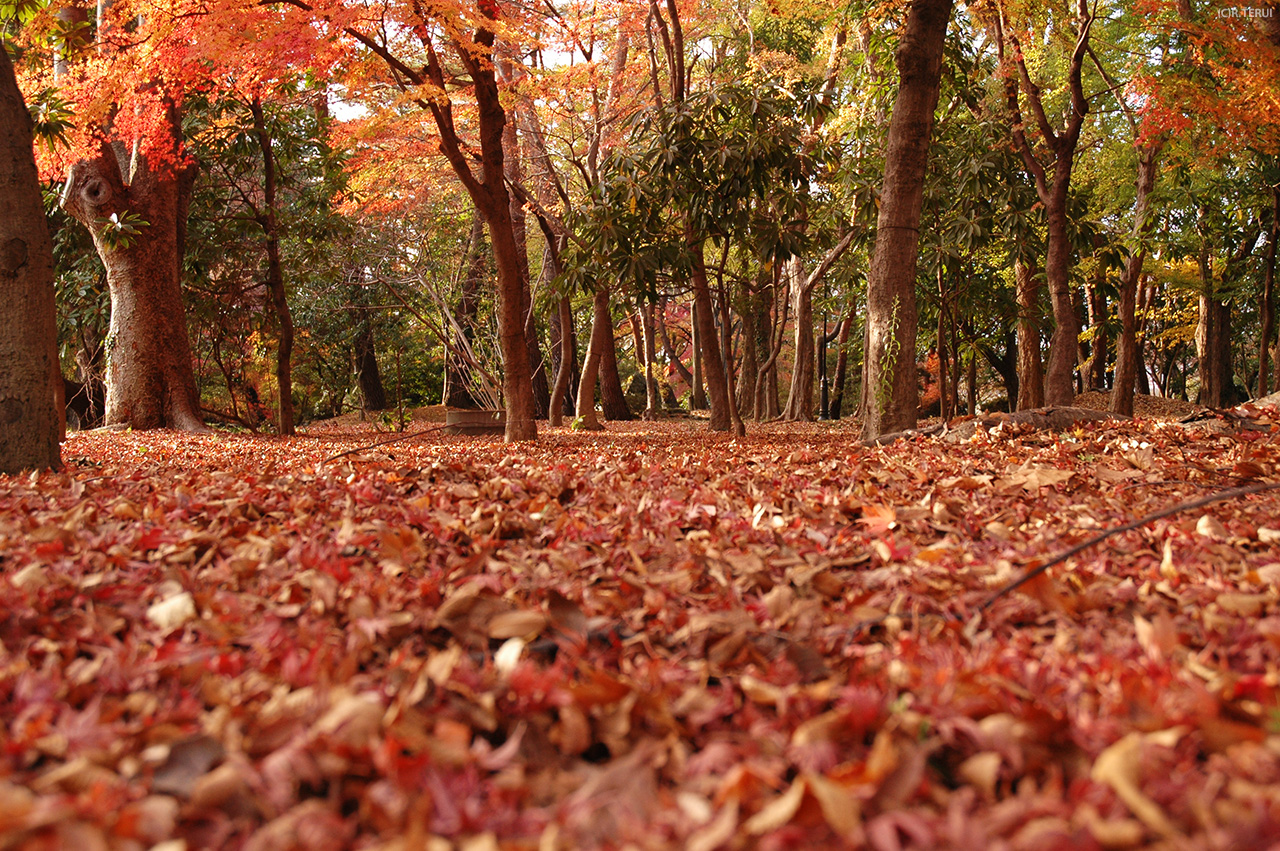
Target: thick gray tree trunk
890,367
31,380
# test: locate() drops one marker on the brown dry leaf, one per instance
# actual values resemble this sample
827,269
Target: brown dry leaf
1244,605
1031,478
353,719
1159,637
778,812
982,770
173,612
184,762
717,831
525,623
1118,767
1114,833
1210,527
840,806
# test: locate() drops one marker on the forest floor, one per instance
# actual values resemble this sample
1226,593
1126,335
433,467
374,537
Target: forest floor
647,637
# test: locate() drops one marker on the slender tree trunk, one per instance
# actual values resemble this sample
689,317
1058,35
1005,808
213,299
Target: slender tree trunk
488,191
712,365
1268,309
150,381
652,393
726,356
31,388
1095,375
1127,353
800,397
767,407
601,337
1030,371
842,364
564,369
889,368
275,274
697,384
667,347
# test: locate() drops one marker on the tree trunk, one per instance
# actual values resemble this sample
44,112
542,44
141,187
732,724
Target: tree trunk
842,364
1268,309
564,369
1059,377
800,398
31,385
726,355
673,357
1127,355
755,339
1030,370
697,384
601,336
275,274
1053,191
649,353
767,407
488,191
712,365
889,365
150,381
1095,376
613,400
372,393
539,386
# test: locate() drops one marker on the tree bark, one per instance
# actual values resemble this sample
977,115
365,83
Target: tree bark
889,366
613,400
712,365
488,191
150,381
269,222
697,382
842,364
601,336
1127,360
799,406
1268,309
564,369
31,385
649,353
1030,370
1053,191
372,393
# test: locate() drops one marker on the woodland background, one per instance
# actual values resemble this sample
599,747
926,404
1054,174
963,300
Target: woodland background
1098,174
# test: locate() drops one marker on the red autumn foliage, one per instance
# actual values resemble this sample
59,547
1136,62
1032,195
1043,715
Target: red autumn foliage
650,635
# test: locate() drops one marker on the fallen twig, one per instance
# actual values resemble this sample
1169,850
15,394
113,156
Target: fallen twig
396,439
1220,496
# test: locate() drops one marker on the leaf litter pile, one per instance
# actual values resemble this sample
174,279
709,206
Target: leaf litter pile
647,638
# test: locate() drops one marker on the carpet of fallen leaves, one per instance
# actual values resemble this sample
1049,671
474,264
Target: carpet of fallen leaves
650,637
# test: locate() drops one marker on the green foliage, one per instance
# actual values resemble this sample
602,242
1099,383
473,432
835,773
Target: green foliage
119,231
888,360
51,118
730,163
